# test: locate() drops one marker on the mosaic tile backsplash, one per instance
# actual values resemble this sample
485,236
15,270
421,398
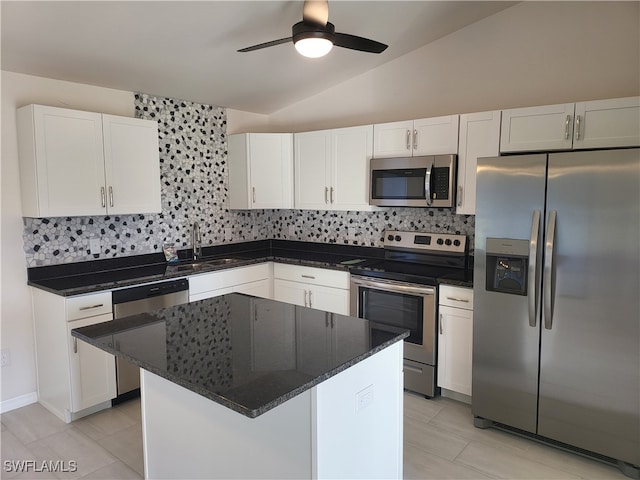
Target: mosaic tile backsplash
194,179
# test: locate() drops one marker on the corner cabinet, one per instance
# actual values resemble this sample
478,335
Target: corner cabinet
479,137
76,163
412,138
596,124
455,338
260,170
332,169
74,378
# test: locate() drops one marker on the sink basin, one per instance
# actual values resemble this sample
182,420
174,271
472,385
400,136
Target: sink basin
203,264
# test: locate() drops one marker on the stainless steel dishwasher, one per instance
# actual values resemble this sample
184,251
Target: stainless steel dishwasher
136,300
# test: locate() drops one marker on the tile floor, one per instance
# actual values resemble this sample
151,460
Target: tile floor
440,443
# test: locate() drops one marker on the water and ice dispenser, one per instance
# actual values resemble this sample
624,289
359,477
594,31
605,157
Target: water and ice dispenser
507,264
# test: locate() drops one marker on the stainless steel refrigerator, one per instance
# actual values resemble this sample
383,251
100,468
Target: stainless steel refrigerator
556,346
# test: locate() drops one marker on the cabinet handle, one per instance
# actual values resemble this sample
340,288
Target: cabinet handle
331,196
310,305
578,122
98,305
408,139
308,276
415,139
459,195
567,123
110,196
305,298
458,299
255,314
253,193
103,197
75,345
326,194
440,324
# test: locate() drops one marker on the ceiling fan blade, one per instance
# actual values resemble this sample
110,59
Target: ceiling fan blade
266,44
358,43
316,11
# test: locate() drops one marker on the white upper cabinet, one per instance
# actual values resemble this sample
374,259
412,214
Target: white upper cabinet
260,170
594,124
75,163
427,136
479,137
332,168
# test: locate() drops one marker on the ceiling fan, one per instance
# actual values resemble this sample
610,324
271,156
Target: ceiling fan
315,36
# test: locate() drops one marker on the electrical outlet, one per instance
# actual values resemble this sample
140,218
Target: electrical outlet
228,233
94,245
5,356
364,398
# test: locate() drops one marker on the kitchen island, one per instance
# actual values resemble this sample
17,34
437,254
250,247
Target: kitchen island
242,387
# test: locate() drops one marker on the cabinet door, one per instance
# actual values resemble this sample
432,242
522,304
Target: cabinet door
351,151
392,139
543,128
61,162
290,292
312,170
455,347
330,299
270,170
607,123
479,137
435,136
93,371
132,165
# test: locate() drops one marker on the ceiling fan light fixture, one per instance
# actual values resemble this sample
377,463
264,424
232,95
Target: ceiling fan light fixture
313,47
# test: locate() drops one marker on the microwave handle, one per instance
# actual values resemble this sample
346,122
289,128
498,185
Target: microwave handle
427,185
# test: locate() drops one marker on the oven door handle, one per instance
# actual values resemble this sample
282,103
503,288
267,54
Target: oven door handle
394,287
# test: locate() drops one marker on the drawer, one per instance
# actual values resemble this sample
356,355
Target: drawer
228,278
85,306
458,297
311,275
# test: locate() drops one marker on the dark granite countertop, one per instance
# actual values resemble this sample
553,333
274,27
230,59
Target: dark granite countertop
246,353
92,276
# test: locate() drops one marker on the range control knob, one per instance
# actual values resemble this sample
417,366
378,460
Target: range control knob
447,241
456,243
398,238
440,241
390,238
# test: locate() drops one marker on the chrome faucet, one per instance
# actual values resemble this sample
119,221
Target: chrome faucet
196,241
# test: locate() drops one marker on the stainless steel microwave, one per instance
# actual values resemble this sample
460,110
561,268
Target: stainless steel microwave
426,181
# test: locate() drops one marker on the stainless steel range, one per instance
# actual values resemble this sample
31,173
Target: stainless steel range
401,290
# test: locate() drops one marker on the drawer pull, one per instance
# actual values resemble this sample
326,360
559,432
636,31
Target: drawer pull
458,299
412,369
92,306
308,276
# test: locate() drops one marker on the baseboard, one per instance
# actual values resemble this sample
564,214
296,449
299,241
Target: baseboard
460,397
17,402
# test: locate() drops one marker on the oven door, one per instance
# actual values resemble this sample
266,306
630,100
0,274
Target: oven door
403,305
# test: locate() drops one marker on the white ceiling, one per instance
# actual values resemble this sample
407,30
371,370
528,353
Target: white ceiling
187,50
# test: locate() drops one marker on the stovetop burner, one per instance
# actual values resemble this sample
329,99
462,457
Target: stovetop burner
422,258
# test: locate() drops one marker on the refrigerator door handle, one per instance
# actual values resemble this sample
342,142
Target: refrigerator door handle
549,287
532,292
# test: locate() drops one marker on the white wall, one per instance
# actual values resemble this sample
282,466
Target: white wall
534,53
16,329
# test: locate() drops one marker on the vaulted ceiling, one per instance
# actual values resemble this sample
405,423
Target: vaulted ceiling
188,49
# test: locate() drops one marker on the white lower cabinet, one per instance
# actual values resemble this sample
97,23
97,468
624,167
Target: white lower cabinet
252,280
74,378
455,339
312,287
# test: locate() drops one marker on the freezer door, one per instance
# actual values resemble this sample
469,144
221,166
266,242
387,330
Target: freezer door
510,190
590,345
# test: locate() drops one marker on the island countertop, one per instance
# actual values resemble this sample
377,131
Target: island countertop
246,353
